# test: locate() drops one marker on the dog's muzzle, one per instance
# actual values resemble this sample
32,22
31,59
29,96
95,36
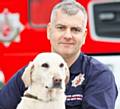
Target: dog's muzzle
57,82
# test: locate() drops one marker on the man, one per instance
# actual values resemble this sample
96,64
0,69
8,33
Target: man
67,32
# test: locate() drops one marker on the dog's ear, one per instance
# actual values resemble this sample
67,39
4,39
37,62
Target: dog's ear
26,77
67,74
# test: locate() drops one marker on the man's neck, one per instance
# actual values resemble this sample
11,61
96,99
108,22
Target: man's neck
71,59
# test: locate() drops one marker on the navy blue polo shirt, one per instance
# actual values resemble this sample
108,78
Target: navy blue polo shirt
97,91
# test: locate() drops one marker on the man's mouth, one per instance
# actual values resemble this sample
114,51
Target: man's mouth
66,44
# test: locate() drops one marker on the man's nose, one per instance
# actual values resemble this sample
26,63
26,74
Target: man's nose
68,34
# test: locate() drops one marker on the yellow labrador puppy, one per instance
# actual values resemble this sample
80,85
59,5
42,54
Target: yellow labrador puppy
46,77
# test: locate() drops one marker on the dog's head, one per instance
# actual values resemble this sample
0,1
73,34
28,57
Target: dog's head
48,70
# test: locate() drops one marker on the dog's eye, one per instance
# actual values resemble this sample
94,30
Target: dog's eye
45,65
61,65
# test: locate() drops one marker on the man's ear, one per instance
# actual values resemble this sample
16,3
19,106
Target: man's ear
48,30
84,36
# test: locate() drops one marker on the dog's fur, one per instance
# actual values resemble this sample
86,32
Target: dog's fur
45,77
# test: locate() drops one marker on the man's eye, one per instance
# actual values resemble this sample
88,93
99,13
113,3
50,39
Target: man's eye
76,30
61,28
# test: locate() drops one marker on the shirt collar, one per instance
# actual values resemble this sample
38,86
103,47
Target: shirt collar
77,65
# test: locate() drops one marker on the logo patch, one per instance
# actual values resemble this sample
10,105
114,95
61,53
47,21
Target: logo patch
10,27
78,80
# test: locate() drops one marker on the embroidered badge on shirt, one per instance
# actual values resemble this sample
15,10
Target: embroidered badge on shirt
78,80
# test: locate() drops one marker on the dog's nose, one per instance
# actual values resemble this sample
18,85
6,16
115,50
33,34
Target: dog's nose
57,82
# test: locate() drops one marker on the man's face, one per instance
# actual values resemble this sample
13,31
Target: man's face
67,34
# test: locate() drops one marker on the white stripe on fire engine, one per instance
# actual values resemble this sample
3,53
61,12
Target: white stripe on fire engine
74,97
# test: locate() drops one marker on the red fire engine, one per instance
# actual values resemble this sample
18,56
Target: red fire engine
23,33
